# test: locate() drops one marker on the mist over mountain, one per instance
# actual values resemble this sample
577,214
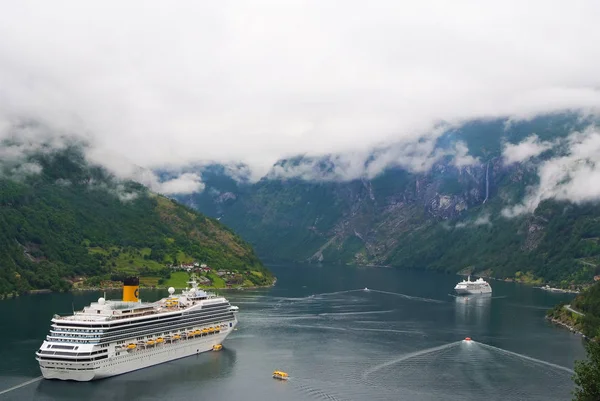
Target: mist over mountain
511,199
63,218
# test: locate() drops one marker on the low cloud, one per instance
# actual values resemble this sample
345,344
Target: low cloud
414,156
574,176
482,220
116,189
19,143
525,150
184,184
125,169
25,169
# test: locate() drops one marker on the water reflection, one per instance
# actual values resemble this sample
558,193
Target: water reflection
165,378
473,309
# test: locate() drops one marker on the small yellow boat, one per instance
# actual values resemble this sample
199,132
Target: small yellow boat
280,375
191,334
131,346
217,347
217,329
159,340
150,342
197,332
176,337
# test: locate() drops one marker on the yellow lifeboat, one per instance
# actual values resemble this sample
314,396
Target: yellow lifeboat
280,375
210,329
131,346
191,334
204,331
197,332
159,340
150,342
176,337
217,347
217,329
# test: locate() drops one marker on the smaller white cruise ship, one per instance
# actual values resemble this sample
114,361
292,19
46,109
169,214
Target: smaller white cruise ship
467,287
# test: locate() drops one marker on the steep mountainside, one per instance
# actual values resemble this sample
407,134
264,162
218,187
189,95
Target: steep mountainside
66,218
446,218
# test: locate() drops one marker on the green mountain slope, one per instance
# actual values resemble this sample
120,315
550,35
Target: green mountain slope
73,219
446,219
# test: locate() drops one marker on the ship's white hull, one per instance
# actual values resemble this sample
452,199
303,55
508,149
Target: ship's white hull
133,360
473,291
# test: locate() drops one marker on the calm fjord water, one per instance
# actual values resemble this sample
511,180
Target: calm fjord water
402,340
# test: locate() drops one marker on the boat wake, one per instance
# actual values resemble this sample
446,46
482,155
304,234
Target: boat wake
398,294
374,369
528,358
469,370
373,312
411,297
325,294
18,386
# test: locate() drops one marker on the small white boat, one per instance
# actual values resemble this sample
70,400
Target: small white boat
479,286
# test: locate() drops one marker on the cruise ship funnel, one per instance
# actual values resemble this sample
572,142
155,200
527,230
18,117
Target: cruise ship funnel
131,289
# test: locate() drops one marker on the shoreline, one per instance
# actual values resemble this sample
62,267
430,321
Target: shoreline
565,325
91,289
558,290
543,286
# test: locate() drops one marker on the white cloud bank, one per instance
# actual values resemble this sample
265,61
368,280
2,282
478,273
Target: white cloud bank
525,150
171,83
482,220
124,169
414,156
574,176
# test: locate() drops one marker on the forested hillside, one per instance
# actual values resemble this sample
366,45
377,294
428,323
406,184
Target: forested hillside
449,217
68,219
588,303
587,318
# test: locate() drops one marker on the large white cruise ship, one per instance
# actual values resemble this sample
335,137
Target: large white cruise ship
109,338
479,286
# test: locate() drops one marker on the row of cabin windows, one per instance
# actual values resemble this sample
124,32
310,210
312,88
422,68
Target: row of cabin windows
149,328
125,336
191,315
204,307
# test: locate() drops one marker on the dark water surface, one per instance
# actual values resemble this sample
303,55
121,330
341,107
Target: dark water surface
401,340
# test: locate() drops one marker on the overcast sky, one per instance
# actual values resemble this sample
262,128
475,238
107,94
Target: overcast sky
174,82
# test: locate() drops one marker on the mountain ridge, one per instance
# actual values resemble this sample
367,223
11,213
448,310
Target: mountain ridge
449,217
